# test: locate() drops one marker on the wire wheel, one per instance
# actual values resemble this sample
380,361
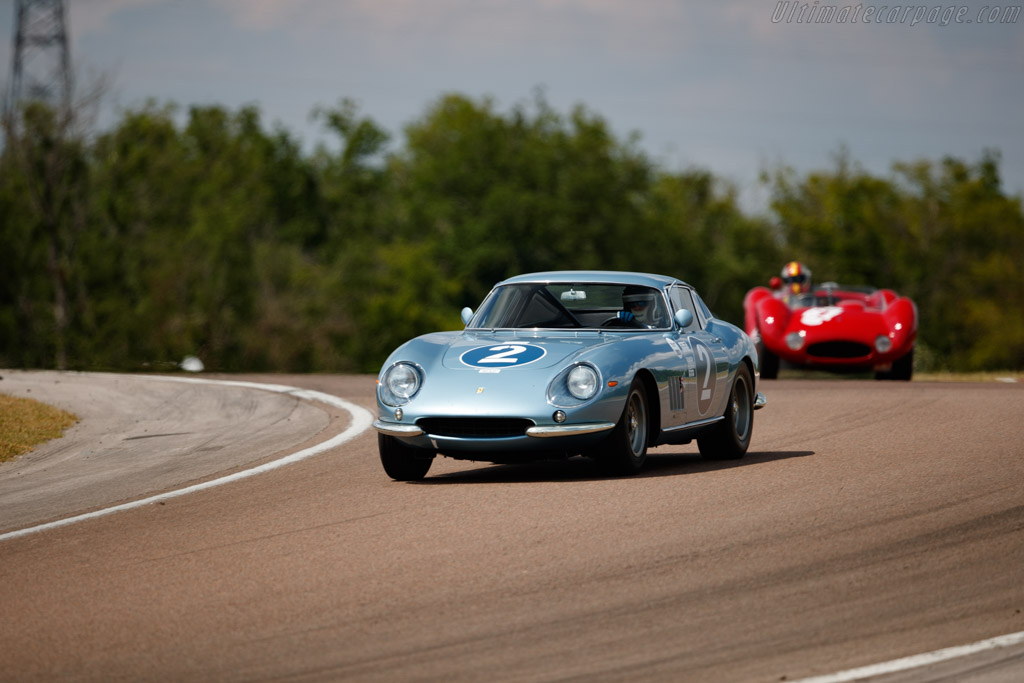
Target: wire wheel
625,449
730,438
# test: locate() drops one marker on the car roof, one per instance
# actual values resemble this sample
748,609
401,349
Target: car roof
595,277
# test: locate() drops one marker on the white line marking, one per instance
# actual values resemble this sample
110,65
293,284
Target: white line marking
916,661
361,420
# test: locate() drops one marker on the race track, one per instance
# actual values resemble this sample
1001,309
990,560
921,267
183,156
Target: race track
870,521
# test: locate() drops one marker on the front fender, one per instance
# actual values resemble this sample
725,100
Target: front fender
773,317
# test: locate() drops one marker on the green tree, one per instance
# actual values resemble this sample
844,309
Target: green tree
503,194
697,232
964,272
218,237
44,191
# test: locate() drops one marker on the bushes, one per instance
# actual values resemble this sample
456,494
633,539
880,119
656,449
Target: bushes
221,239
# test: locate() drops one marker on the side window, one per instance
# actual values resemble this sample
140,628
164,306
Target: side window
704,313
681,299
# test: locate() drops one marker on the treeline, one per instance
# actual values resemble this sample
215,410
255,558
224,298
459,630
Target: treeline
217,237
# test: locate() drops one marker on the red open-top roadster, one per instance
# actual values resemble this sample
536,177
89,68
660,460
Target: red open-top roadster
833,327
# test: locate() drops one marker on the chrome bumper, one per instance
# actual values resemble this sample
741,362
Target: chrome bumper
546,432
569,430
394,429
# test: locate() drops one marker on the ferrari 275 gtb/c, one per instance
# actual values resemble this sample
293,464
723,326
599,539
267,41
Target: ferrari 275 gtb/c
557,364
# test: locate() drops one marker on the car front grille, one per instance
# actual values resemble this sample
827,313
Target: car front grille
839,349
475,427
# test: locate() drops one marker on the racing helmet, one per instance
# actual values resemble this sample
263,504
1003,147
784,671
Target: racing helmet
642,303
796,277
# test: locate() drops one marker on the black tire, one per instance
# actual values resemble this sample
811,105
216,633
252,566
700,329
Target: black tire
729,439
768,362
624,451
401,462
903,367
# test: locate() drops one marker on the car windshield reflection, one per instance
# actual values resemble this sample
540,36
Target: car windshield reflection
573,306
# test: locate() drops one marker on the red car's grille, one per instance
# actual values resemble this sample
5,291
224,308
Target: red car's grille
838,349
474,427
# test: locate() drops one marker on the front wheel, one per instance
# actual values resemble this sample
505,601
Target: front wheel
402,462
902,368
730,438
768,362
625,449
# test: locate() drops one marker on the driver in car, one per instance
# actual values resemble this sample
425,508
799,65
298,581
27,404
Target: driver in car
796,278
640,307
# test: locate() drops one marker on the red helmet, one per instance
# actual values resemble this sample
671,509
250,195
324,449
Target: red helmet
796,277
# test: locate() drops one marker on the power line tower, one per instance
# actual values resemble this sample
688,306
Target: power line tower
41,65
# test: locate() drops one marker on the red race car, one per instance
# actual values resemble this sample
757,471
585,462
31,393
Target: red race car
831,327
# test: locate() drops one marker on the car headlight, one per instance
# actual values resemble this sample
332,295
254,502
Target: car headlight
795,340
401,381
582,382
883,344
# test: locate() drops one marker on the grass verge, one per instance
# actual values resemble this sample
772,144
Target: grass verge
24,424
1008,376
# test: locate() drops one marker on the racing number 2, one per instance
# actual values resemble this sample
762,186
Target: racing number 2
704,364
503,355
706,375
508,354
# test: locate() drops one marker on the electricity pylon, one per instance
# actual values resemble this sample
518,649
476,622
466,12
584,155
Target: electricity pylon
41,65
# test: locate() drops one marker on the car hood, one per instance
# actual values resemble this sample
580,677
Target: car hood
514,350
459,380
847,321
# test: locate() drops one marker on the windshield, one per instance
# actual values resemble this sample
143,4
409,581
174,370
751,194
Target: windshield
831,294
580,305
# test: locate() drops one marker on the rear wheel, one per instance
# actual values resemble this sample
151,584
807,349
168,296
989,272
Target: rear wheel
730,438
625,449
402,462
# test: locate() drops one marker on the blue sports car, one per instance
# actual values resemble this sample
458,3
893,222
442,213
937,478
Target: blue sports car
557,364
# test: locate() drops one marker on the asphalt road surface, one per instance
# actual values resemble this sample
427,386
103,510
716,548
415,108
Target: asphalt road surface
870,521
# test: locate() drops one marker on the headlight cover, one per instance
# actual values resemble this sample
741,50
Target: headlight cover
795,340
582,382
574,386
883,344
400,383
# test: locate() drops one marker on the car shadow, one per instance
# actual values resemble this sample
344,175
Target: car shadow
659,464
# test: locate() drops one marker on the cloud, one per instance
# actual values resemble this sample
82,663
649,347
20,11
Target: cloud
488,26
713,81
94,16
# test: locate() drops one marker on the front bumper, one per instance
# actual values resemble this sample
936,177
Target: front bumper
836,354
540,432
395,429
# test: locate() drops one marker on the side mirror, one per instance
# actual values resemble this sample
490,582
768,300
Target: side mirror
684,318
775,282
467,315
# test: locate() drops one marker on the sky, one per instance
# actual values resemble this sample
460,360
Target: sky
736,87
